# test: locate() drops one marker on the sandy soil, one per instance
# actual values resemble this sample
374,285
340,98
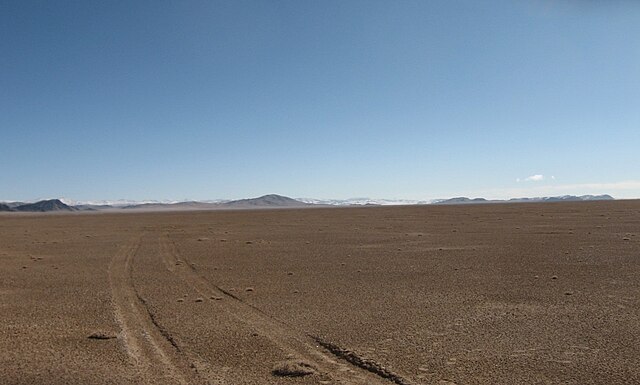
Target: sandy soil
484,294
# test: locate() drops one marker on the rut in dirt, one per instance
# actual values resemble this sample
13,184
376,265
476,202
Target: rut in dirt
153,356
346,369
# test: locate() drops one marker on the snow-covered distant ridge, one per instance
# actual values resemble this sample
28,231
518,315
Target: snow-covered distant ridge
114,203
130,202
362,202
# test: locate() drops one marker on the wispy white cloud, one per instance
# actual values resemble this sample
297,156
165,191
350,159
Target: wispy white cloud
534,178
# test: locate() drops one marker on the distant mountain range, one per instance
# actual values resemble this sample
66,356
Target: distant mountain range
265,201
564,198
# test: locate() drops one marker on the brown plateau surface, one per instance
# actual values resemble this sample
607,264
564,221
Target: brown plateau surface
537,293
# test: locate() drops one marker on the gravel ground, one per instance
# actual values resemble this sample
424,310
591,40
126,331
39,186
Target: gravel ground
534,293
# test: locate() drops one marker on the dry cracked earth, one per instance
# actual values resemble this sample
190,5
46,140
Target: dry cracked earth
480,294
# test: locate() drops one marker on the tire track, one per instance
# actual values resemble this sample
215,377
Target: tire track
150,352
288,338
361,362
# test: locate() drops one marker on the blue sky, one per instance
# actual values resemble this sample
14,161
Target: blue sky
324,99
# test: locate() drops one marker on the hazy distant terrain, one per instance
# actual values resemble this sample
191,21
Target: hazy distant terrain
563,198
268,201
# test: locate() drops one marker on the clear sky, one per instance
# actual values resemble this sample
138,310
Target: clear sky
324,99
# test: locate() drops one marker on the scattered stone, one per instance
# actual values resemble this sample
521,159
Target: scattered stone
199,299
216,298
249,289
626,239
289,272
293,368
100,336
180,299
568,293
554,277
248,242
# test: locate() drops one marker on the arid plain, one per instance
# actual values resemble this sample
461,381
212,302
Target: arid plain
538,293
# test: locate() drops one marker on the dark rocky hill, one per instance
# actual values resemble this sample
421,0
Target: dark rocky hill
45,206
4,207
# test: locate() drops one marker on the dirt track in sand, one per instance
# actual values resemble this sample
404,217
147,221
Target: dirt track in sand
483,294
